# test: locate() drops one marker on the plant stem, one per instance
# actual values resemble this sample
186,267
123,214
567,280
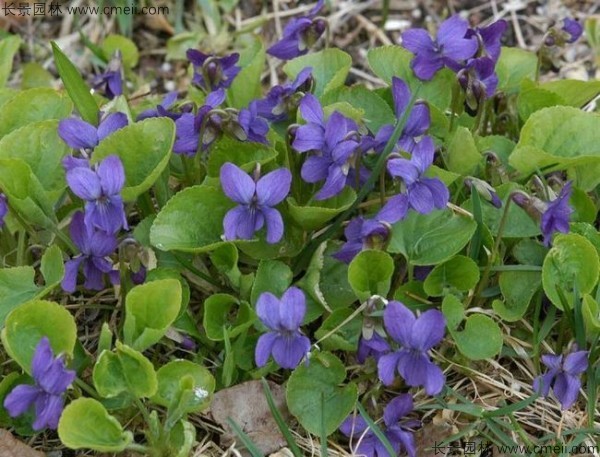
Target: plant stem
21,248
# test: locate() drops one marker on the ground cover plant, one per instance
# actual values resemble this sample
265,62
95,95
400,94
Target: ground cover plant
355,256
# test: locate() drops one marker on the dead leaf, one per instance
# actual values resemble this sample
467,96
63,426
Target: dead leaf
12,447
247,406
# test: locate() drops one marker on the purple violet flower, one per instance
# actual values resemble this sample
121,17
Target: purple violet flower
95,246
416,336
212,72
3,209
101,189
254,126
110,83
374,347
557,214
572,28
487,192
79,134
162,109
283,317
489,38
399,434
299,35
450,47
563,376
424,194
362,234
189,127
479,81
51,379
281,100
255,201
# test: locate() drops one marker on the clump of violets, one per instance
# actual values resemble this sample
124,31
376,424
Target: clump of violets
95,246
300,34
110,83
283,317
284,99
52,378
397,431
212,72
3,209
256,199
416,336
101,188
563,375
79,134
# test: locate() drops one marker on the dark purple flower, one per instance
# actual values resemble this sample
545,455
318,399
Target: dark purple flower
479,81
487,192
95,246
189,127
557,214
416,336
255,202
79,134
281,100
399,434
573,29
101,189
3,209
51,379
212,72
563,376
285,341
110,83
489,38
362,234
423,194
299,35
162,109
450,47
374,347
417,123
254,127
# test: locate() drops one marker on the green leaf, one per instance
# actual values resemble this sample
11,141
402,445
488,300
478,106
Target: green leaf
389,61
191,221
463,156
8,48
590,311
518,288
27,324
534,99
529,252
272,276
129,52
377,112
459,273
39,145
76,87
333,281
246,85
345,337
161,273
124,370
320,379
219,316
170,385
572,264
514,66
245,155
150,309
316,214
145,150
370,273
481,337
330,68
559,138
182,439
225,260
573,91
33,105
428,239
17,285
85,423
35,75
52,266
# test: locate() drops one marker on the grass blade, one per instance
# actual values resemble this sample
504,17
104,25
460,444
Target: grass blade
246,441
378,433
285,431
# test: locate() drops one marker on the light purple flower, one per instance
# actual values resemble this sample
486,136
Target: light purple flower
423,194
362,234
281,100
572,28
557,214
162,109
95,246
398,433
101,188
3,209
563,376
255,200
479,80
254,126
299,35
190,128
51,379
374,347
212,72
283,317
450,47
416,336
79,134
